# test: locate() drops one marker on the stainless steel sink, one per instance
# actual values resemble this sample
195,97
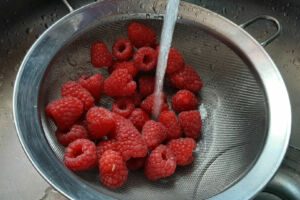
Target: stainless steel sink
22,21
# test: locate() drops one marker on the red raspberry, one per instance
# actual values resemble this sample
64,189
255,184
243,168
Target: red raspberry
100,122
148,104
184,100
73,89
131,143
161,163
123,106
169,120
126,65
93,84
119,84
146,85
183,150
175,61
186,78
136,163
138,117
100,56
105,145
154,133
80,155
76,132
122,49
113,170
136,98
65,112
145,59
191,123
141,35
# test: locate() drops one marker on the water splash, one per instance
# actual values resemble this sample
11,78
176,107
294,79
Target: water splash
165,44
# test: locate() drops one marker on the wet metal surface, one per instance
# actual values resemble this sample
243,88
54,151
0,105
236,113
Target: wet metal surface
21,22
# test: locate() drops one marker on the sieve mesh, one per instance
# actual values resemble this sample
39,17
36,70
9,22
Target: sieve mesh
232,105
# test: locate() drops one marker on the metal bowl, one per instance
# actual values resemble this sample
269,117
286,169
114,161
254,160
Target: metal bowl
245,105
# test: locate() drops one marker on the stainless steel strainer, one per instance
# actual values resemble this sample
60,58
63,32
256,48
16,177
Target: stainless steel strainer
244,102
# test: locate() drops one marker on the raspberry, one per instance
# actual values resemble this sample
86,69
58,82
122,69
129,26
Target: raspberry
141,35
136,163
126,65
186,78
154,133
73,89
100,122
161,163
100,56
175,61
113,170
93,84
136,98
105,145
119,84
65,112
148,104
145,59
131,143
184,100
183,150
138,117
146,85
123,106
122,49
80,155
191,123
169,120
76,132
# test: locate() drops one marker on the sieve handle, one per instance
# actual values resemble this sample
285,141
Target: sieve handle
268,18
68,5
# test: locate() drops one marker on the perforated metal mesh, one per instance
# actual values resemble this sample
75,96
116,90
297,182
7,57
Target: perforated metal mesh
232,105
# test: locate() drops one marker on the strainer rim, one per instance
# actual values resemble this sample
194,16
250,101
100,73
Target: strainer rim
242,189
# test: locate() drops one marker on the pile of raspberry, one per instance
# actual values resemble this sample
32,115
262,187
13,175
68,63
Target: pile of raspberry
125,137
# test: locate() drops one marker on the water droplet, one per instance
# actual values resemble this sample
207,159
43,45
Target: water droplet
29,30
43,17
203,112
288,4
241,8
2,41
211,67
197,51
216,47
285,14
296,61
16,68
274,9
147,16
46,25
142,5
71,61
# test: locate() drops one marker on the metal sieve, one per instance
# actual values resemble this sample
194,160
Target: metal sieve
244,102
